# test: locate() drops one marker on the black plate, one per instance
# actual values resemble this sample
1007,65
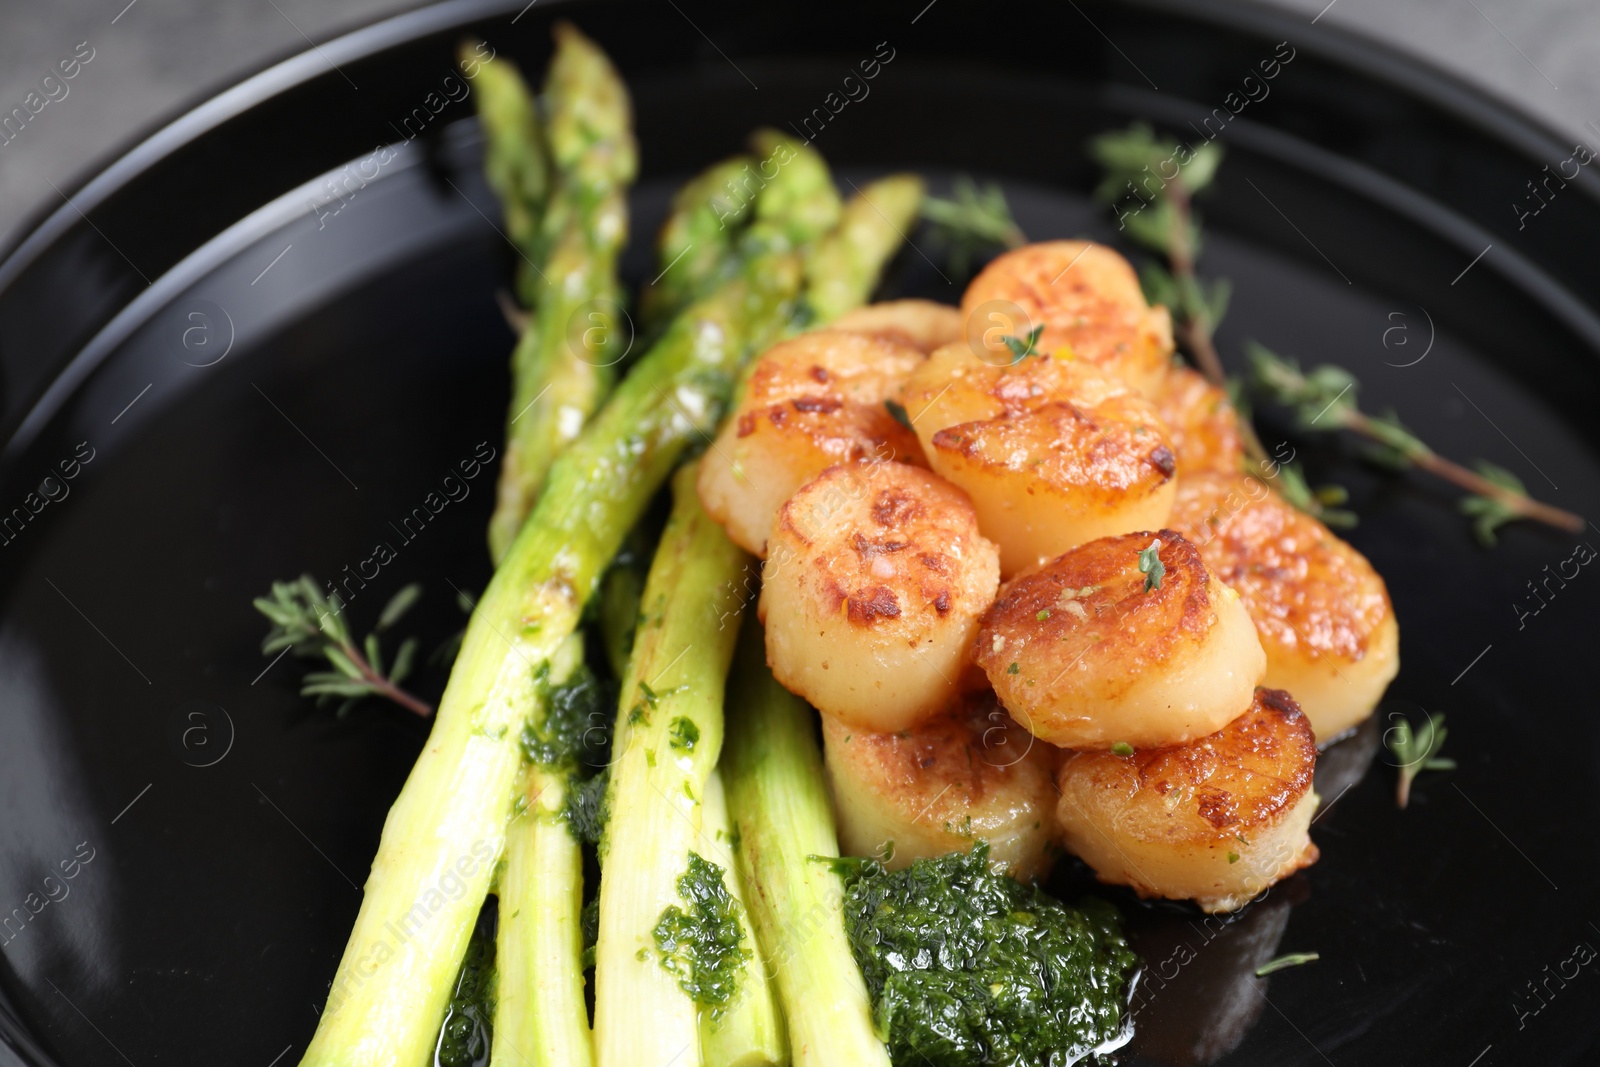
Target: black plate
262,388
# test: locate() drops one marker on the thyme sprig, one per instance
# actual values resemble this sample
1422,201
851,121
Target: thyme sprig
312,624
973,219
1325,398
1150,183
1417,751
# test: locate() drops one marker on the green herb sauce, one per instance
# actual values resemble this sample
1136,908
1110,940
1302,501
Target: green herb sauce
468,1029
576,731
703,946
968,967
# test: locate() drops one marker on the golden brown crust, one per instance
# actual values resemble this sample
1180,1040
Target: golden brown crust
1306,590
827,388
1052,451
1239,780
1091,604
1201,420
875,578
1088,300
914,523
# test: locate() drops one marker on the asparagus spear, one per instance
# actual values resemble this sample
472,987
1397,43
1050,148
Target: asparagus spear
796,197
843,270
668,738
515,160
540,1018
784,827
389,993
697,244
750,1033
565,361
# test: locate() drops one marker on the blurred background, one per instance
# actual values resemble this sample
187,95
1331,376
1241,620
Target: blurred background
153,59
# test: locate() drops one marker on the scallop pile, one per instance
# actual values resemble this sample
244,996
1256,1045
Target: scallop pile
1014,556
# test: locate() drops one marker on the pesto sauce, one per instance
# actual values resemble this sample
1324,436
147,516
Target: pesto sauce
966,967
468,1029
703,946
575,737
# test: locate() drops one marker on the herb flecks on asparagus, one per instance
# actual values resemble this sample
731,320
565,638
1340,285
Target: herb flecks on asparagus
312,622
566,360
1156,209
697,245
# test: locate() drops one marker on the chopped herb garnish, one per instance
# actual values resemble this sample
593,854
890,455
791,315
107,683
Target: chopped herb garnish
1151,567
1024,346
703,945
1233,857
1013,669
684,734
898,412
1293,959
1122,748
1043,615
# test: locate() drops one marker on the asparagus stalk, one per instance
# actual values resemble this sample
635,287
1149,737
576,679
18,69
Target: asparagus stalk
783,826
515,160
565,361
669,735
845,267
792,189
750,1033
540,1018
392,984
698,242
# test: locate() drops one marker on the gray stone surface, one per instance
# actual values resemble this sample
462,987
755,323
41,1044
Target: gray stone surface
154,57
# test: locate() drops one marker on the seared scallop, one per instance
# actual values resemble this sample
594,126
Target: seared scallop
810,402
875,577
1090,650
1052,452
1321,610
920,324
967,774
1215,821
1088,301
1202,422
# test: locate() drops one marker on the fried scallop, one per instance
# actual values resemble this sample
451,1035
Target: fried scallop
920,324
810,402
1052,451
1202,422
1215,821
967,774
1087,652
875,577
1088,301
1321,610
